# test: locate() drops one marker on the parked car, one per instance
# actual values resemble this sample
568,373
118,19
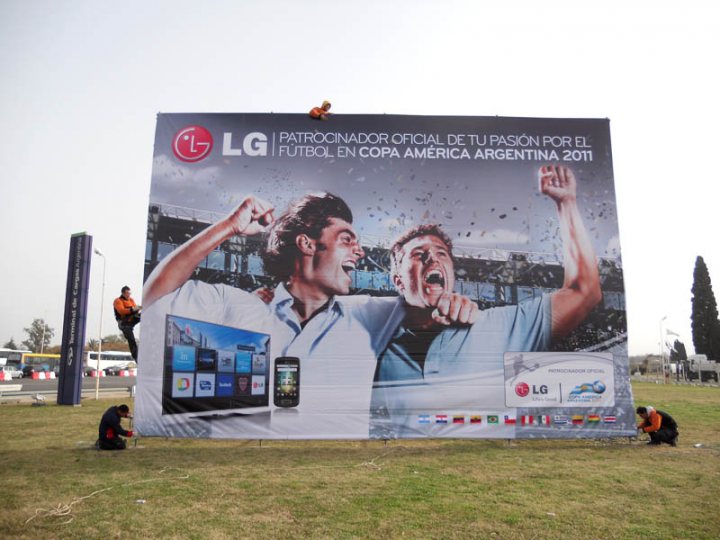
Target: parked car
88,372
28,371
36,368
13,371
114,370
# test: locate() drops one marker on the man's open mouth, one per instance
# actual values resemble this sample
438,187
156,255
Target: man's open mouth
348,267
434,277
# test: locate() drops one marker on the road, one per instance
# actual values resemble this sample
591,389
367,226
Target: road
30,385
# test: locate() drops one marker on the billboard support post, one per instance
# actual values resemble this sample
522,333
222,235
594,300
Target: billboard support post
74,321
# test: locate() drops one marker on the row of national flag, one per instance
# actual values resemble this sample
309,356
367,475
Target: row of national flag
524,420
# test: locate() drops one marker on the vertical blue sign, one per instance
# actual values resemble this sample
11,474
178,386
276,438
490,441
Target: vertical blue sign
76,300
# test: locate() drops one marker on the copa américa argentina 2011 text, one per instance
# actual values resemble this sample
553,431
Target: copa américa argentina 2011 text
433,152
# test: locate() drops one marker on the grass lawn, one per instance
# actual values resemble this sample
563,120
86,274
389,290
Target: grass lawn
54,485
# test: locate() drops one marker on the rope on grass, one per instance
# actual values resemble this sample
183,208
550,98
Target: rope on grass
372,465
62,509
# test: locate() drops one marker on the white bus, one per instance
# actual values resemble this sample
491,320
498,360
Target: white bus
108,359
11,357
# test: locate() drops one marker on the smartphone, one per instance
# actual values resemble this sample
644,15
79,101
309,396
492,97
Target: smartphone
287,381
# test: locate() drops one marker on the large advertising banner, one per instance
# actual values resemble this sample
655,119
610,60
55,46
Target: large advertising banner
381,276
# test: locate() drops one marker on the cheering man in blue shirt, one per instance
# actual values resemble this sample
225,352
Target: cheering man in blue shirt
429,367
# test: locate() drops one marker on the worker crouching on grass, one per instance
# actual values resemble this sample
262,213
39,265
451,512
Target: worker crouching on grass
661,427
110,430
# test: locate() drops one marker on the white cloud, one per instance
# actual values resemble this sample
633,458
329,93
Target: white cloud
613,246
169,170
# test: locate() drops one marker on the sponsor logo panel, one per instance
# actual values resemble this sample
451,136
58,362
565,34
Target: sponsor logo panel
541,380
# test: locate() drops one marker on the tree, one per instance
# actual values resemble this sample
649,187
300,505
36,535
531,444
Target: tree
11,344
111,342
114,339
39,336
705,324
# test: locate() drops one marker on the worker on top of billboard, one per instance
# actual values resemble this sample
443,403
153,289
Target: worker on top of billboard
322,112
421,352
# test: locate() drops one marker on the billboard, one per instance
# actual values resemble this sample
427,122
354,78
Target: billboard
382,276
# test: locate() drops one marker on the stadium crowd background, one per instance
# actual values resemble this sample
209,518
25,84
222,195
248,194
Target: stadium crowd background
498,278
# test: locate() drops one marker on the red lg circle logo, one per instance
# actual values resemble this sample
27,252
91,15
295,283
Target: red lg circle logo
192,143
522,389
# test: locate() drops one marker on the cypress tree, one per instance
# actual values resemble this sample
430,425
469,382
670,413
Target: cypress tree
705,324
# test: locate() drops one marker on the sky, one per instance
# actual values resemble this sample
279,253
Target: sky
82,82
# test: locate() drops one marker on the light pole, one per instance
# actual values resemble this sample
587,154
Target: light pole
99,352
662,349
42,339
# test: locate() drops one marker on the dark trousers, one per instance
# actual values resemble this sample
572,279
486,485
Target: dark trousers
128,333
663,435
112,444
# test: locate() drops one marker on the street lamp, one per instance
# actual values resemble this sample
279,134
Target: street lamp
102,296
662,349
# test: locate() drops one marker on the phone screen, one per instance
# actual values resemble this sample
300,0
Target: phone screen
287,382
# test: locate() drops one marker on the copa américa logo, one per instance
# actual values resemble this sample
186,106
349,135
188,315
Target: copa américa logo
596,387
194,143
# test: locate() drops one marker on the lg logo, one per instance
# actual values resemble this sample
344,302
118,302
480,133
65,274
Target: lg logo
523,389
253,144
194,143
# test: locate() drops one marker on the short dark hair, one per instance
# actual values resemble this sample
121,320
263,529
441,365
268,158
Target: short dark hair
123,408
125,288
308,215
641,410
431,229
